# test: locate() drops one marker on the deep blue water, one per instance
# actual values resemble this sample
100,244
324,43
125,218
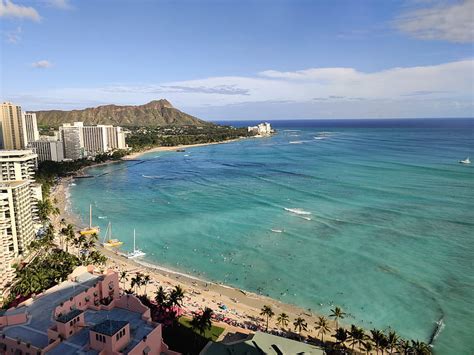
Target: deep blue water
376,216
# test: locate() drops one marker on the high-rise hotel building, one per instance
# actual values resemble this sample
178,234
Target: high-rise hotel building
18,128
31,126
71,135
82,141
18,196
13,129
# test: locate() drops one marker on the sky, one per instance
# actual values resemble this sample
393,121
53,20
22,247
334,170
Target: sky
238,60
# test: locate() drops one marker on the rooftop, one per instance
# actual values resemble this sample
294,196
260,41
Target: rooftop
16,152
40,311
69,316
109,327
262,343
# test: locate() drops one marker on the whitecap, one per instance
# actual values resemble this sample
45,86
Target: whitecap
297,211
296,142
152,176
276,230
102,217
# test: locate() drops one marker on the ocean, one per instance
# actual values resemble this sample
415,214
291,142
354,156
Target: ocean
375,216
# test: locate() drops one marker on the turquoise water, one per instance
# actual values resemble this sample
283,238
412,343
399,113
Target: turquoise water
384,224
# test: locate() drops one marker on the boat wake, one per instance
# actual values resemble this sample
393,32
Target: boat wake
298,211
437,330
152,176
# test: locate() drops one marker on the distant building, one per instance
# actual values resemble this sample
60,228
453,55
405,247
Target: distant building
56,136
262,129
31,126
86,314
48,150
71,136
16,226
261,343
95,139
13,126
88,141
115,138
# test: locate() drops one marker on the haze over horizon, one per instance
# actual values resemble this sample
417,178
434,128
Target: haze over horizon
246,60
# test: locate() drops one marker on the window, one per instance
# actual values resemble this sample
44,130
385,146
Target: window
96,336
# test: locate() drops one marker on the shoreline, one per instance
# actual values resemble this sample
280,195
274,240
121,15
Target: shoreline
243,306
135,155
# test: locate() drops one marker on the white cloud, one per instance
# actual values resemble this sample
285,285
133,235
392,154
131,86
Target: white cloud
9,9
60,4
449,22
315,92
42,64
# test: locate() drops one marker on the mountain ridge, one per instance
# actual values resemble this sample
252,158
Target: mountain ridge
154,113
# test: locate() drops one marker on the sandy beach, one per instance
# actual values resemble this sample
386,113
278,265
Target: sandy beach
135,155
242,311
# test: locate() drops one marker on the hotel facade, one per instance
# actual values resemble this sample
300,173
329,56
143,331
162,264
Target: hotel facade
13,127
86,314
19,196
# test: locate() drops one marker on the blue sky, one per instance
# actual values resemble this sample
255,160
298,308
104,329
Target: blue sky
243,59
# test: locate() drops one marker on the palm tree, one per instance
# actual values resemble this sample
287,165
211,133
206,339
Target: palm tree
202,322
136,282
392,340
268,312
419,348
357,336
367,347
403,346
337,313
283,320
146,281
322,326
123,278
161,297
376,336
176,296
341,336
69,235
300,324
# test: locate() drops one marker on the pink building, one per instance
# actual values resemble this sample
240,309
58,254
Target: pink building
85,314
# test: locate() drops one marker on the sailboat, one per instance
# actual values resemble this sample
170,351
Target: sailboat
465,161
136,252
108,241
90,229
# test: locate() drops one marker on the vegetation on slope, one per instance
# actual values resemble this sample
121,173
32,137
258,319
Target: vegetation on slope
154,113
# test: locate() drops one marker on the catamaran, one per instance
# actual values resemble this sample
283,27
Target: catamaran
136,253
108,241
90,229
465,161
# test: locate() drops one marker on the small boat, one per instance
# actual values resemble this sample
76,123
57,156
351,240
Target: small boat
136,253
465,161
90,230
108,241
180,150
